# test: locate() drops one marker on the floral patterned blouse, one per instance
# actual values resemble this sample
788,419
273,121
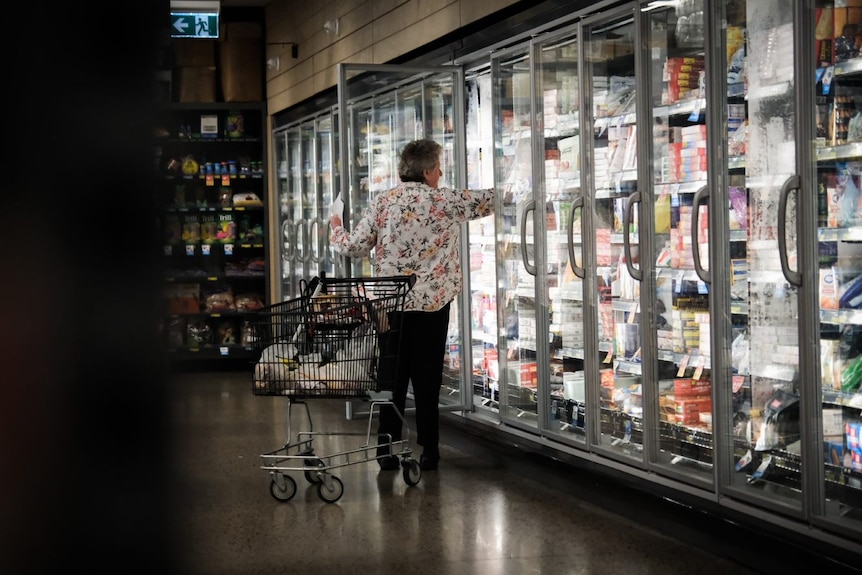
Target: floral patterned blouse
416,230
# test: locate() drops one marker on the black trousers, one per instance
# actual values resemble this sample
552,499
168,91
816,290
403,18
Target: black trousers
420,361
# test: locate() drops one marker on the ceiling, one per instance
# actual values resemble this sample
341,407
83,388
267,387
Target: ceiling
250,3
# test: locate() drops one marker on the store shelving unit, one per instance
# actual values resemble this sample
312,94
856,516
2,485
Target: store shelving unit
211,189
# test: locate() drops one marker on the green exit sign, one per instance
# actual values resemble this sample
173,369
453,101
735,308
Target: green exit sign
194,25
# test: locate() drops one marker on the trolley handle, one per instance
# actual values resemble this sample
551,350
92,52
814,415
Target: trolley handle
409,280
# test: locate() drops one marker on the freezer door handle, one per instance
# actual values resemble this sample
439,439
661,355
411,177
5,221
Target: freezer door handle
700,197
636,272
316,245
793,276
305,255
529,207
287,240
577,204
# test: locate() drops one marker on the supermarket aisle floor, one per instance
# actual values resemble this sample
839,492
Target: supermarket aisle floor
486,511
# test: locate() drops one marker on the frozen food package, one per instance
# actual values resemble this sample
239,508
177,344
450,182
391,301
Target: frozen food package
828,289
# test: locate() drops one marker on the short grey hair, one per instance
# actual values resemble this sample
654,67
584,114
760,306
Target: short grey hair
416,157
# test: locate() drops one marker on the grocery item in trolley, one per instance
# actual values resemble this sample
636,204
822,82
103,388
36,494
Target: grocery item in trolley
328,343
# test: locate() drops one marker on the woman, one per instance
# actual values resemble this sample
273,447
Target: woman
414,228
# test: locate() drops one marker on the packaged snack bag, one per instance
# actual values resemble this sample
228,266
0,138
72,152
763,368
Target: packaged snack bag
209,229
226,232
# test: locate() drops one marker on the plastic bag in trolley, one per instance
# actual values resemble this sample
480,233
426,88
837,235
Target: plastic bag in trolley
326,344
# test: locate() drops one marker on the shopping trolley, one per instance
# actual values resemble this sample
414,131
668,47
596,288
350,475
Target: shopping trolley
339,339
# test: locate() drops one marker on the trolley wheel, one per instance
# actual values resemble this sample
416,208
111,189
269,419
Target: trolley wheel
411,471
285,492
333,491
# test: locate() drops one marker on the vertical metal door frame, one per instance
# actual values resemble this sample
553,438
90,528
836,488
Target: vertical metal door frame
502,341
646,236
274,239
593,417
567,33
730,494
592,411
720,328
540,260
810,406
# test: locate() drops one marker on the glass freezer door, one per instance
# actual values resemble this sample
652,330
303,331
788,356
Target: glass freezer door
763,395
308,202
611,85
514,369
482,243
562,206
384,107
306,181
682,409
838,145
291,233
284,230
325,190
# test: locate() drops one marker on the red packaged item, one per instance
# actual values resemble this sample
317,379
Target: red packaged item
688,387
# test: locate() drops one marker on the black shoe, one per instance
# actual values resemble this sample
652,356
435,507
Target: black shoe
383,445
389,463
429,462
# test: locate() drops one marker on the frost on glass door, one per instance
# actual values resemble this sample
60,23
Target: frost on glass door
364,146
838,113
383,137
410,102
482,273
684,408
765,391
282,195
562,208
610,60
321,260
514,367
291,206
308,202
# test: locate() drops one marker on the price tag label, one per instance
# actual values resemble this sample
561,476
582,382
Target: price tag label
682,365
228,249
609,356
698,370
699,106
205,249
633,313
190,249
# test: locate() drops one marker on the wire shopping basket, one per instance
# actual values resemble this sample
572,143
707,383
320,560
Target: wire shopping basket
340,338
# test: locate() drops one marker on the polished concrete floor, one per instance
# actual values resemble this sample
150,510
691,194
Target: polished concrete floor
486,510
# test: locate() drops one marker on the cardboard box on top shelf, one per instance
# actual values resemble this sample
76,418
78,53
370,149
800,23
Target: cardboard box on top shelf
194,52
241,61
197,84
